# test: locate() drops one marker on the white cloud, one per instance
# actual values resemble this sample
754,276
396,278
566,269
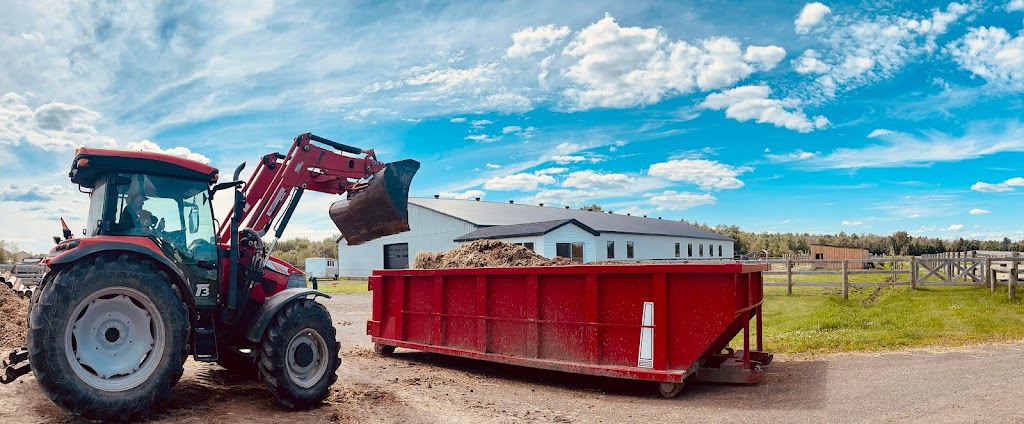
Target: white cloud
550,171
520,182
564,159
977,211
493,166
597,181
914,215
468,194
852,223
617,67
752,102
483,138
954,227
993,54
864,48
1014,6
1005,186
632,210
53,127
480,124
511,129
880,132
556,197
184,152
791,157
706,174
35,36
900,149
809,63
811,15
766,56
458,120
535,39
673,200
519,131
449,79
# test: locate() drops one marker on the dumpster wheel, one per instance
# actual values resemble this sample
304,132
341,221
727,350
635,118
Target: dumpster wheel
670,390
382,349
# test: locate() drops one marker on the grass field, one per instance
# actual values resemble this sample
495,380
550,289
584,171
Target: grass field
343,285
817,320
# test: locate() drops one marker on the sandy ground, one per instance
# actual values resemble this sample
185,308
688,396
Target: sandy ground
961,385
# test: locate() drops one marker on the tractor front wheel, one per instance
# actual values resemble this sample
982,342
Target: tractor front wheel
107,337
298,357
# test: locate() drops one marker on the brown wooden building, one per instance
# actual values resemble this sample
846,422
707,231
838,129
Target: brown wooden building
837,253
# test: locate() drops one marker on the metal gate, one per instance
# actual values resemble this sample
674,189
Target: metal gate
396,256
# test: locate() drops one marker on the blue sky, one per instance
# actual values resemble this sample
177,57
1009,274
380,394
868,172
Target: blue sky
775,116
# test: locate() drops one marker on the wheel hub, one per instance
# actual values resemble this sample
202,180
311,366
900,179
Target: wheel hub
307,358
112,338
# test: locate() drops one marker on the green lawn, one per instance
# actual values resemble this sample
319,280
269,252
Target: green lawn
343,285
818,320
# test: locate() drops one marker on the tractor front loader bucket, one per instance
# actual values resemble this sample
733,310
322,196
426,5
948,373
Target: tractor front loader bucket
380,207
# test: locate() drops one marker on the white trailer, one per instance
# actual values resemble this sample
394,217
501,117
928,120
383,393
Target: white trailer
322,268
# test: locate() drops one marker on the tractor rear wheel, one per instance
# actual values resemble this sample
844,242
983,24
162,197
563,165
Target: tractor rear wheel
298,357
107,337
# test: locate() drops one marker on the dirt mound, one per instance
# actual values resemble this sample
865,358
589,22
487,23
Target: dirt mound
485,254
13,318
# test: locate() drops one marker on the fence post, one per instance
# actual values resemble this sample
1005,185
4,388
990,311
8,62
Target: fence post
846,281
913,272
989,281
789,276
1012,283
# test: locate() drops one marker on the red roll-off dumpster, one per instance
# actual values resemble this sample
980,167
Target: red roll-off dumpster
659,322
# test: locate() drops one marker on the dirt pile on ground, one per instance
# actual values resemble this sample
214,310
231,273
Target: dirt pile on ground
485,254
13,318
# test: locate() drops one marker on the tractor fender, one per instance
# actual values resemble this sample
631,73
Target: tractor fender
71,256
270,308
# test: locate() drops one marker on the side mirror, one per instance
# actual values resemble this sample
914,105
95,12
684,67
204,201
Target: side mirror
193,221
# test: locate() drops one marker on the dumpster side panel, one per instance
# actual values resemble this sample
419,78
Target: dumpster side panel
621,300
561,314
419,296
506,310
701,307
457,306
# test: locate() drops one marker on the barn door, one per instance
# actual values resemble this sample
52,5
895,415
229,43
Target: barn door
396,256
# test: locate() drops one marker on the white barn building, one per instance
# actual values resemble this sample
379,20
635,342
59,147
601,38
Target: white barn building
439,225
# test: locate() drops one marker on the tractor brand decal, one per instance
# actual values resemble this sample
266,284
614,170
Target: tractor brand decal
646,359
202,290
277,201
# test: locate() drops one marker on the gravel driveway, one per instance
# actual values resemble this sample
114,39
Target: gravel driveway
960,385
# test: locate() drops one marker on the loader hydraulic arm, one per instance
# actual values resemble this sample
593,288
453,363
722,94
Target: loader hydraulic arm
280,179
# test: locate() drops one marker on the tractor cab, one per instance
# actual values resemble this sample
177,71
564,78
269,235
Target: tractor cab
162,198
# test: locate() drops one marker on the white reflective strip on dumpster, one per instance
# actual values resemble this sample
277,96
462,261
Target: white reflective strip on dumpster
646,359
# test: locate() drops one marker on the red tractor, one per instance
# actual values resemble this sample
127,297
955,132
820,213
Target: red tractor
158,279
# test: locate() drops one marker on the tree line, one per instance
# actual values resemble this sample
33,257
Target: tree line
899,243
296,250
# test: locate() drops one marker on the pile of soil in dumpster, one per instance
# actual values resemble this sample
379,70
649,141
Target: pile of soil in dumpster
13,318
485,254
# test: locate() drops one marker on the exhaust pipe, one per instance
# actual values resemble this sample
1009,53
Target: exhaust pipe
380,207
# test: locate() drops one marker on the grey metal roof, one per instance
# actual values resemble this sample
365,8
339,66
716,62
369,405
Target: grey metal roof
487,214
523,230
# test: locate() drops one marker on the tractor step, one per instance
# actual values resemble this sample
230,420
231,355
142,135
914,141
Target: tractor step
204,337
15,364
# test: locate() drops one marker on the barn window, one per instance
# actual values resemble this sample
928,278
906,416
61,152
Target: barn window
677,250
629,249
571,251
689,250
719,250
701,247
611,249
529,245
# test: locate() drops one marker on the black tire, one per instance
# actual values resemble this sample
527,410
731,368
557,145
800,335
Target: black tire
236,361
300,318
383,350
52,324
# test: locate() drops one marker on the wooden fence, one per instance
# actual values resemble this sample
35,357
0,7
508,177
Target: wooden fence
901,271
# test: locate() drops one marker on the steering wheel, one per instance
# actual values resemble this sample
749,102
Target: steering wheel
200,245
